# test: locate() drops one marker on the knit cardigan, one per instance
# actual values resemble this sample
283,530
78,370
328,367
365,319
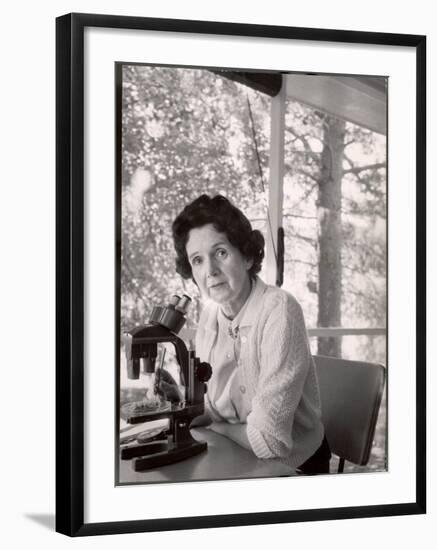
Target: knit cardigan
277,375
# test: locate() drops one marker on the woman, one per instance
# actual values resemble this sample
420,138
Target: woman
263,393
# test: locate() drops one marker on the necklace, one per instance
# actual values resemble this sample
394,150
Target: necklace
233,331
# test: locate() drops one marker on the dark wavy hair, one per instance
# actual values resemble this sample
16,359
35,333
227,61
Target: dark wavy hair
226,218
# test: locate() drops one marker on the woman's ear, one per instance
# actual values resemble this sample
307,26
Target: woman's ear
248,263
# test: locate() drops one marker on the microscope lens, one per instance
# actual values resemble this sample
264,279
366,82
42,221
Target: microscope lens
133,369
148,364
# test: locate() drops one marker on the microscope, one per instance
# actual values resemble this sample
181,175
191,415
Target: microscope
141,348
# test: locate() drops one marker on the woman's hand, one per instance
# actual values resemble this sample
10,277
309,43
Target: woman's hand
167,387
203,420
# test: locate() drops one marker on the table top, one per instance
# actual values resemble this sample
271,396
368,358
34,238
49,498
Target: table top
223,459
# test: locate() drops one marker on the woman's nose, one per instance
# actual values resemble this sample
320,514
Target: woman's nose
212,268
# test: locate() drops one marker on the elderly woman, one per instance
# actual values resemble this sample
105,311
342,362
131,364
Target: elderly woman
263,393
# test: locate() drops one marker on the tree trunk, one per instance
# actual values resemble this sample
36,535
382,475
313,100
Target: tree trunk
330,234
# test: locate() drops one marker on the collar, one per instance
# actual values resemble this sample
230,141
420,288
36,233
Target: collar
254,304
251,308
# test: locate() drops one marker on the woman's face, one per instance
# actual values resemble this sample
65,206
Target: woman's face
219,269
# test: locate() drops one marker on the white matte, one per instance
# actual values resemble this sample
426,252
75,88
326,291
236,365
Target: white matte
105,502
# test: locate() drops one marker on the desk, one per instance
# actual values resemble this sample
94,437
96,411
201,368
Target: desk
223,459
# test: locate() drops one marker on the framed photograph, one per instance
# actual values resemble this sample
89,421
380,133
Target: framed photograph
240,274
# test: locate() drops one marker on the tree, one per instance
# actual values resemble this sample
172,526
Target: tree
343,254
330,233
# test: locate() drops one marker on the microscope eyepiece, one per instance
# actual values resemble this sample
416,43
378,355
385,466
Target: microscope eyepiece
183,304
174,300
171,316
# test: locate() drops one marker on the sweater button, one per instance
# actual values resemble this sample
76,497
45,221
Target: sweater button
242,389
243,339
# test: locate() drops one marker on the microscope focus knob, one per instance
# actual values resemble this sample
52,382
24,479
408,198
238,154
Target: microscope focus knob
203,372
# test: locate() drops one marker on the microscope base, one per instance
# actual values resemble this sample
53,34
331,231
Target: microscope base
160,454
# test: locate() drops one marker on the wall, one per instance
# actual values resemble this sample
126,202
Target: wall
28,261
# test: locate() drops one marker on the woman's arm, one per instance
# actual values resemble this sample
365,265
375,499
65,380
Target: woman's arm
202,420
284,359
236,432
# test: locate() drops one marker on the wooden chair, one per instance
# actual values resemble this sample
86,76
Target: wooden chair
351,393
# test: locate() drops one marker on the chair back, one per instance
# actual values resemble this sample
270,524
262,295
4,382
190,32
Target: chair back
351,393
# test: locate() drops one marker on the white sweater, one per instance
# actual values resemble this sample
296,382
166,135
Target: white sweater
276,374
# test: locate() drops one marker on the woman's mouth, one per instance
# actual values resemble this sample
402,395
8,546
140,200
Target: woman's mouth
217,285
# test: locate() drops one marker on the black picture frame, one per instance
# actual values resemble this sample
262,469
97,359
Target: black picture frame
70,489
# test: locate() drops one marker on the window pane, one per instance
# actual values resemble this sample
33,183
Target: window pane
334,218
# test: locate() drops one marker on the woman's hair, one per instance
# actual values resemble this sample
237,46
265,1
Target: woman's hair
226,218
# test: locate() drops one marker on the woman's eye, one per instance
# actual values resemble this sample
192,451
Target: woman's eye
196,260
221,252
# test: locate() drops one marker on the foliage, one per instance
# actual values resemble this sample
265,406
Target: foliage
184,132
189,131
